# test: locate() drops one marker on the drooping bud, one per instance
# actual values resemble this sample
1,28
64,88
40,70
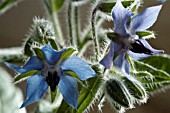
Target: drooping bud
135,89
116,92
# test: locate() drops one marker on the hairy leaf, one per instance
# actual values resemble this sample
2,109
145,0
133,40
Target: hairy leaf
161,62
160,77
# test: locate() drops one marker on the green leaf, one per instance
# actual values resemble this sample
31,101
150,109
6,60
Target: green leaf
7,4
161,78
87,95
67,53
161,62
145,34
22,76
64,108
45,106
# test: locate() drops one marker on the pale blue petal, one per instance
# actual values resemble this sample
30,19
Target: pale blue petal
145,20
13,67
52,56
34,63
162,1
35,89
121,63
69,89
147,45
120,17
137,56
79,66
108,59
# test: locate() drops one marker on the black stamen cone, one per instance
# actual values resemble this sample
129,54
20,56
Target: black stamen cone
138,47
52,80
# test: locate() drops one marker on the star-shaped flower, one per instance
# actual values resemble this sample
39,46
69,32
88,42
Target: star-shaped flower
127,41
52,71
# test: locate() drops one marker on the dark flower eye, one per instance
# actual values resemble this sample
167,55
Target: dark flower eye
52,80
138,47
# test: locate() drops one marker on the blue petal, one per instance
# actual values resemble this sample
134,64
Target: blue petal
69,89
162,1
35,89
51,55
34,63
108,59
120,17
146,44
137,56
145,20
121,63
79,66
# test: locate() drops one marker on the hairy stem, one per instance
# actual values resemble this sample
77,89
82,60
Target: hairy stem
77,23
95,40
72,41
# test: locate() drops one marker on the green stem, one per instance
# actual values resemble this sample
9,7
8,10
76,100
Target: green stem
131,62
57,28
96,43
77,23
12,55
70,23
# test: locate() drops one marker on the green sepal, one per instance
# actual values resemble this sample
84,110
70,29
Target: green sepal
117,92
107,7
53,43
28,47
57,4
53,6
67,53
80,82
53,94
145,34
39,53
22,76
135,88
112,35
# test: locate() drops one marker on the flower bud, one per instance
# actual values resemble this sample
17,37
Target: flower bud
135,88
117,93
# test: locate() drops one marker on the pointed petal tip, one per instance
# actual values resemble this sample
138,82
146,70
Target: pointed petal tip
106,65
22,106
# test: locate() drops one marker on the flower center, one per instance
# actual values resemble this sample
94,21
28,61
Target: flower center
52,75
138,47
52,80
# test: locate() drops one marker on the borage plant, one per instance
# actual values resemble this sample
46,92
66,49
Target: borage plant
124,69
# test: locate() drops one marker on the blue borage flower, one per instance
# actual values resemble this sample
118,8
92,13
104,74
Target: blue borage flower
127,42
52,71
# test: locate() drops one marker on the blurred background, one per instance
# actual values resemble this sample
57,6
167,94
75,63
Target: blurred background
15,23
